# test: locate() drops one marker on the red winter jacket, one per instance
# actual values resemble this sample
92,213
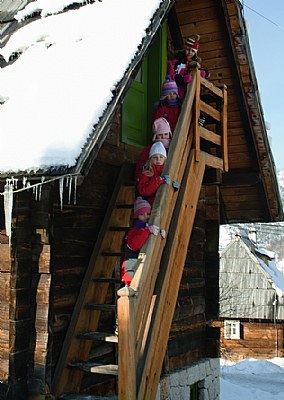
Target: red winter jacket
147,186
136,237
169,113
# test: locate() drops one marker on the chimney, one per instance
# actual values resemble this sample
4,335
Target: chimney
252,235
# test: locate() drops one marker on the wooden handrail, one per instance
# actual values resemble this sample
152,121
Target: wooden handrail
139,321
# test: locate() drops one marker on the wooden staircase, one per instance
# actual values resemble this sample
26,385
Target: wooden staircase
145,309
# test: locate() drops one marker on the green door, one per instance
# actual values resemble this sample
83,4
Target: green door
137,107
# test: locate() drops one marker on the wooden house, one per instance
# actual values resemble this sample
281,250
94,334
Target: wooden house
59,292
251,302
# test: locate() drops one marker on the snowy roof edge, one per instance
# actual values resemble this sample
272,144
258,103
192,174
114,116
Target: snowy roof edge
100,131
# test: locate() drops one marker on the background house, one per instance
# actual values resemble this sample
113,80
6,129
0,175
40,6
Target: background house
251,302
65,240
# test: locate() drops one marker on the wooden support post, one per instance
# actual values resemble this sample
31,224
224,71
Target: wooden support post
126,345
196,118
224,130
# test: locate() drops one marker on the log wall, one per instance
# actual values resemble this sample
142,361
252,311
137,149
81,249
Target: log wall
258,340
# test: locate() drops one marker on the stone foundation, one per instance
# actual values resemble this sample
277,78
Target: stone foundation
177,385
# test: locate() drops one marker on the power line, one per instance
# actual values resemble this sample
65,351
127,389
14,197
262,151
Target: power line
262,16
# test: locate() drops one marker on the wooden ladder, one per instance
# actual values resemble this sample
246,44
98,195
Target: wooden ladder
93,299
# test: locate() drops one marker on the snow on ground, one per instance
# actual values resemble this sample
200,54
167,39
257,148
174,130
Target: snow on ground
252,379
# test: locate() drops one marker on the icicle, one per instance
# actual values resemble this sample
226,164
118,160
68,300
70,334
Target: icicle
75,189
61,183
70,188
8,207
35,192
40,188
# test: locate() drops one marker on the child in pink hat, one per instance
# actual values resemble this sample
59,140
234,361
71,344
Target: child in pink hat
136,238
169,104
161,133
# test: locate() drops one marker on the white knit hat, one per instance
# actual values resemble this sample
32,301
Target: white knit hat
158,148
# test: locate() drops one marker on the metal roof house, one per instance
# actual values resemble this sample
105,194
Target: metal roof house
251,301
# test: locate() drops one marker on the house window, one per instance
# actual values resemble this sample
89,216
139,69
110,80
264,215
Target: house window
232,329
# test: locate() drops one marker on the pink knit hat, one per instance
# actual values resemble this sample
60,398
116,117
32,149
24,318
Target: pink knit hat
169,86
161,125
141,206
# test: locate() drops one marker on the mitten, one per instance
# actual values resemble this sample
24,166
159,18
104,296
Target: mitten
167,179
154,229
175,185
163,233
187,78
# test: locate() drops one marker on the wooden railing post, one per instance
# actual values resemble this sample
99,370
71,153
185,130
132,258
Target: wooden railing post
126,345
196,117
224,129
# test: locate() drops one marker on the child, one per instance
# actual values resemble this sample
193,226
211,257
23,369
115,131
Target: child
135,238
179,68
169,104
151,179
161,133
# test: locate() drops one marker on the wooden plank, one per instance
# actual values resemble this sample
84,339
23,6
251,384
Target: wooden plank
224,123
126,346
214,162
196,117
213,88
210,136
210,111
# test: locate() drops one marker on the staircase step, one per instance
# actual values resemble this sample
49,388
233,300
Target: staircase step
78,396
112,254
125,206
106,280
101,307
106,337
108,369
118,228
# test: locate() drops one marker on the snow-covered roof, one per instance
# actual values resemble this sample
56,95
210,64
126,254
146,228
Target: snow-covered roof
270,268
58,89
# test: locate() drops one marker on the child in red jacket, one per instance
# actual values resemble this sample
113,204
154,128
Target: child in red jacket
161,133
151,178
136,238
169,105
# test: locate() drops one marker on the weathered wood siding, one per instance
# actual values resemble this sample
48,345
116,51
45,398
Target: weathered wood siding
246,290
220,31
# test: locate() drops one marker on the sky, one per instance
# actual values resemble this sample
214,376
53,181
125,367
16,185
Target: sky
252,379
59,75
266,36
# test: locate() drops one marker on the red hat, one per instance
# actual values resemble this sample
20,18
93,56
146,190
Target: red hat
141,206
192,42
